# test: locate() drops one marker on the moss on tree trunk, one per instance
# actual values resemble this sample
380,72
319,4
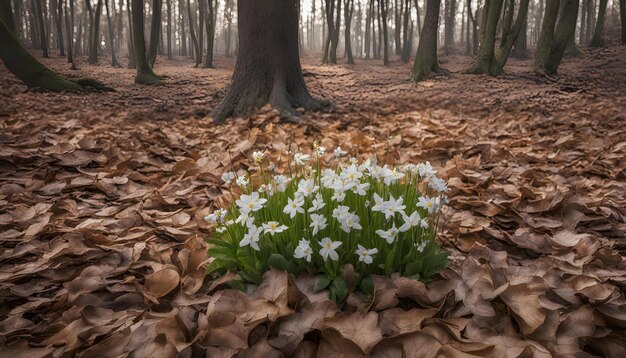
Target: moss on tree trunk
144,72
546,36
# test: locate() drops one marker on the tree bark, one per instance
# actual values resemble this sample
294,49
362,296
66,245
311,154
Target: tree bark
544,44
131,42
484,60
449,26
114,62
169,29
192,32
30,71
407,34
57,17
155,31
509,38
42,28
144,71
384,7
596,40
69,31
348,11
268,65
210,33
564,31
426,57
6,16
622,16
94,41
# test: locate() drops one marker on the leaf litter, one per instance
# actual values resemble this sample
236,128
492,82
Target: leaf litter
102,196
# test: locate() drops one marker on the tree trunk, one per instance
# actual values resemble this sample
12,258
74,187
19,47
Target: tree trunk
510,37
192,32
6,16
17,12
596,40
210,33
69,30
368,20
407,35
520,48
486,57
583,22
114,62
131,42
268,65
426,57
622,16
144,71
94,41
384,7
348,10
542,51
30,71
169,29
334,42
397,22
42,27
155,31
449,25
56,9
562,34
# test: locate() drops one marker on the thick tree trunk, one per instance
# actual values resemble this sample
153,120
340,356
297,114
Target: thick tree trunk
114,62
426,57
520,47
94,41
17,17
268,65
563,33
542,51
69,31
155,31
6,16
210,33
348,10
596,40
334,42
34,74
486,57
144,71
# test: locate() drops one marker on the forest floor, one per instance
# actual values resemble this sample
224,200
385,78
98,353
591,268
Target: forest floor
102,197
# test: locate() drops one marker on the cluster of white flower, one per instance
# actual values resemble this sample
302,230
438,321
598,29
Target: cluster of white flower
332,203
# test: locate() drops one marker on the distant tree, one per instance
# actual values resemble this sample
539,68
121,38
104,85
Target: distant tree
192,32
268,64
426,61
211,19
348,11
169,29
384,9
596,40
43,38
94,30
622,16
114,62
155,31
449,15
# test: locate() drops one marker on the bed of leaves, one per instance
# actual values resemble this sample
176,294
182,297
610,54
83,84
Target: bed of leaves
102,248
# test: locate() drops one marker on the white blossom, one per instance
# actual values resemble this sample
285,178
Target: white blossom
301,159
317,203
438,185
351,221
318,223
273,227
425,170
281,183
410,221
251,237
365,255
389,234
242,180
258,156
294,206
303,250
228,177
252,202
329,248
339,152
430,204
421,247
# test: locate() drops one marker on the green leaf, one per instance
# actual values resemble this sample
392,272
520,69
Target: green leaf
237,285
338,289
367,285
321,283
253,277
278,262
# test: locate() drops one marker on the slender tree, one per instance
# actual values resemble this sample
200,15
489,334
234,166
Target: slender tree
144,70
192,33
425,61
450,14
57,16
348,11
94,40
69,31
622,16
169,29
38,8
384,8
114,62
211,18
596,40
155,31
268,64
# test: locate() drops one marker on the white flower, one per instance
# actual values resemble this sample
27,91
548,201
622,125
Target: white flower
351,173
303,250
317,203
361,189
389,207
351,221
228,177
424,223
318,223
328,249
421,247
410,221
281,183
365,255
217,216
252,202
341,212
273,227
251,237
258,156
391,176
438,185
307,187
245,219
328,177
389,235
428,203
221,229
267,188
338,196
340,152
320,151
242,180
301,159
294,206
367,203
426,170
